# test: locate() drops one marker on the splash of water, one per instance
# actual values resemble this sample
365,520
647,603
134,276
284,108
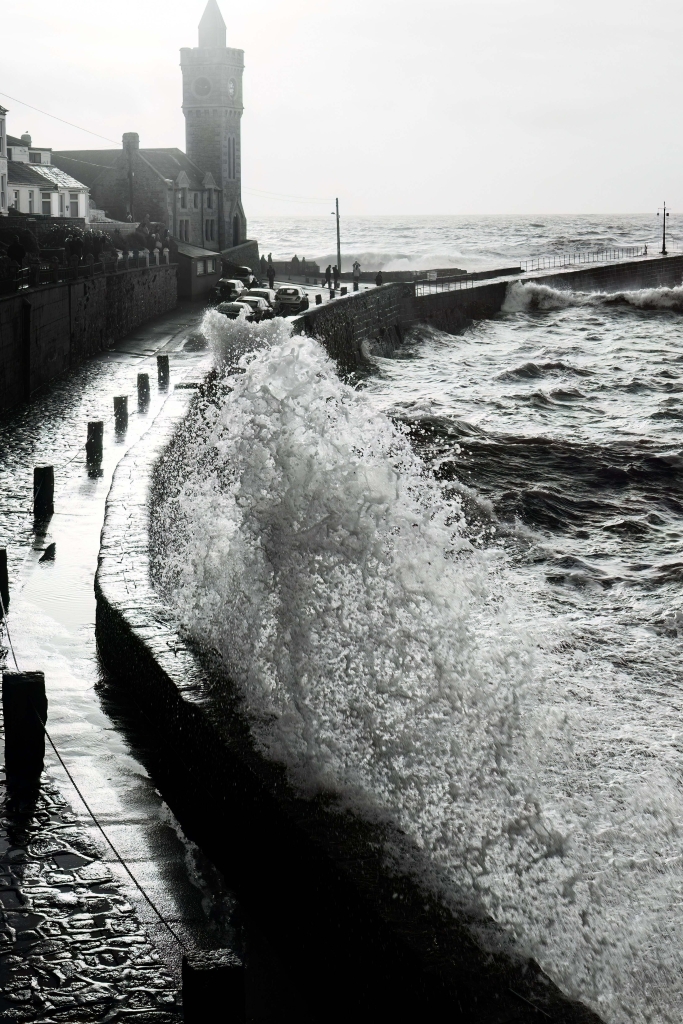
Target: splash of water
385,657
522,297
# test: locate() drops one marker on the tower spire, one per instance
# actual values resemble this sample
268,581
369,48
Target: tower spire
212,27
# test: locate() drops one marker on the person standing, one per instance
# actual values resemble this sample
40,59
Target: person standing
356,275
335,271
16,251
271,276
379,280
328,275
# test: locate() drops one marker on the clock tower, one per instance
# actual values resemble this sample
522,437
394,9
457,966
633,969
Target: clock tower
212,105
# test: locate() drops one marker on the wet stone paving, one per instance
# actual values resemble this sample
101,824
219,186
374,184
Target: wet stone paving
77,941
71,945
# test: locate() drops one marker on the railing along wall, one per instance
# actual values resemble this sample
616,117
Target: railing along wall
37,275
434,283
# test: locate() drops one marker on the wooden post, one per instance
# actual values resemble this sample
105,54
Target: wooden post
4,581
213,987
43,491
143,389
318,300
24,707
94,442
121,412
343,291
163,371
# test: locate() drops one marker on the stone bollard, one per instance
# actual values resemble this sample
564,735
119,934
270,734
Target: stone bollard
24,707
318,300
331,292
4,581
95,441
121,412
355,286
163,371
344,291
213,987
43,491
143,389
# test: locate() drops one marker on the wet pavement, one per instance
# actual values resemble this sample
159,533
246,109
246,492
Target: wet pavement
77,940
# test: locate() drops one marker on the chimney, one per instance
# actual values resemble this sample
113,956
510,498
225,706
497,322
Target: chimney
130,142
26,139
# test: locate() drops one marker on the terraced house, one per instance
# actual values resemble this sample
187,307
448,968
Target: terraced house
38,188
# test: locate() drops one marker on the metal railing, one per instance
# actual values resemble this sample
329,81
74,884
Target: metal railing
434,282
581,256
15,278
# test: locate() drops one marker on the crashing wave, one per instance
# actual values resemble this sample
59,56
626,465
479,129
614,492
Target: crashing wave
532,296
384,657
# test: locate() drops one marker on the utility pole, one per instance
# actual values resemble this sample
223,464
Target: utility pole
665,214
338,239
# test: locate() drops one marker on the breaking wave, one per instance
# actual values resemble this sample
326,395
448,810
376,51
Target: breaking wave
523,297
384,654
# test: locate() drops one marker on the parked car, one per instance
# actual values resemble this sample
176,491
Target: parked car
262,310
264,293
245,274
228,289
291,299
233,309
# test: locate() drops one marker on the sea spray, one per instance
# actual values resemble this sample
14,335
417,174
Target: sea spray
533,296
382,657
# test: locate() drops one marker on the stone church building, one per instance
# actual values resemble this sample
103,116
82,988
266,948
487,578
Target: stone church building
197,194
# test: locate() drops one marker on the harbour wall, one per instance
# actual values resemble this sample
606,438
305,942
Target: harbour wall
47,329
375,321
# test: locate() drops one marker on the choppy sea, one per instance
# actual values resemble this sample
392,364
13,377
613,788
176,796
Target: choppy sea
452,591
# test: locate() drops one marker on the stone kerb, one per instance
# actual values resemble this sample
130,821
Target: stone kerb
241,808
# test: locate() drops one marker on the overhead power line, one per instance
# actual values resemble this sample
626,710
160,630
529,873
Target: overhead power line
54,116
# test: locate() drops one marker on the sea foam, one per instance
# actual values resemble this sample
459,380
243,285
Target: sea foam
384,657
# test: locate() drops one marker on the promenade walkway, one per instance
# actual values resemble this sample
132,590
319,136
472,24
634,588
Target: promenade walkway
77,941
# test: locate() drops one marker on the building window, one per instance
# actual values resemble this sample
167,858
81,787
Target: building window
35,158
46,199
184,230
30,202
9,152
3,186
196,200
201,268
16,200
61,204
183,199
211,266
73,202
209,199
209,230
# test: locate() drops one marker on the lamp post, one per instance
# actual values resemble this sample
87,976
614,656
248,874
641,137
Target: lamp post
665,214
338,236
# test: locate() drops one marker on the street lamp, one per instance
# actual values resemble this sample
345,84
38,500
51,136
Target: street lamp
338,237
665,214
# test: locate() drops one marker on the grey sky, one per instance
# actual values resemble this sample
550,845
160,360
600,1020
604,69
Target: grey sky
495,106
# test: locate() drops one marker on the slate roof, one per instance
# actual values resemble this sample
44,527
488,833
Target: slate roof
195,251
88,164
43,175
170,162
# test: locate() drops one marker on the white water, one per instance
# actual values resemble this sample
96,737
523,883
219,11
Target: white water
387,655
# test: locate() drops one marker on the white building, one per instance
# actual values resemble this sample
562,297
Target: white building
37,187
3,164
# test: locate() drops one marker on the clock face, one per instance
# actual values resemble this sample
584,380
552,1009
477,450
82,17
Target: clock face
232,88
202,87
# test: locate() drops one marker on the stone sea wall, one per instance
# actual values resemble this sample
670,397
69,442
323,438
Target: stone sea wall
375,320
45,330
